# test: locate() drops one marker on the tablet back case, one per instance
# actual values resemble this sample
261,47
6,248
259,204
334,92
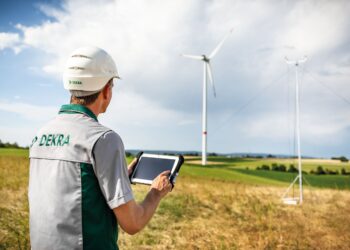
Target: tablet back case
177,169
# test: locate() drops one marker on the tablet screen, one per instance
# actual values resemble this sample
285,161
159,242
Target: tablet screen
150,168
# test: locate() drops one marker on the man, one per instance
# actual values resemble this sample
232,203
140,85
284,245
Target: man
79,189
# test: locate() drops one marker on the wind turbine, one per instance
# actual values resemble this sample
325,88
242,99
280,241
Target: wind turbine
293,200
207,72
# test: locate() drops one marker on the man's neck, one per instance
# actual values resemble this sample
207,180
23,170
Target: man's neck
95,108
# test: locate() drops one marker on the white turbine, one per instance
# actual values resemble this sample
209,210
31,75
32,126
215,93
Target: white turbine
207,72
293,200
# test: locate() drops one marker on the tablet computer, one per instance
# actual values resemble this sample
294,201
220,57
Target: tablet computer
149,166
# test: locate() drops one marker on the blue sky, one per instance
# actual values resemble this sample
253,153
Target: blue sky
157,105
22,11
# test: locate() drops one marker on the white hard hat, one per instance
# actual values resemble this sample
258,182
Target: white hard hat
88,70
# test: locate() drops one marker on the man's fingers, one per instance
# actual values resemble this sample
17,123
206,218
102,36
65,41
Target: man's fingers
169,187
131,166
164,180
167,184
165,173
162,183
133,162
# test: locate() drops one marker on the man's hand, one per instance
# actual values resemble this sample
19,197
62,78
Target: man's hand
161,184
131,166
132,217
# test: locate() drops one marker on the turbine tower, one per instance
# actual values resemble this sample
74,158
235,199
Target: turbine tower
294,201
207,72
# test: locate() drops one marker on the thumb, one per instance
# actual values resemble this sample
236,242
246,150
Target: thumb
165,173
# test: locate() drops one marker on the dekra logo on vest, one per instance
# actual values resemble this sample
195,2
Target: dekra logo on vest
52,140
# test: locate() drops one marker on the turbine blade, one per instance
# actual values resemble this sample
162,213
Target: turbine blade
289,61
193,57
303,60
211,77
215,51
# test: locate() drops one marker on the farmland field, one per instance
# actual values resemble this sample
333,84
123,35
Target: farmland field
244,170
225,205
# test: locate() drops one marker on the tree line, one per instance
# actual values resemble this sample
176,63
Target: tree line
9,145
292,169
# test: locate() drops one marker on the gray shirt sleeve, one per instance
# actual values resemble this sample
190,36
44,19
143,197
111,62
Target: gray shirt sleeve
111,169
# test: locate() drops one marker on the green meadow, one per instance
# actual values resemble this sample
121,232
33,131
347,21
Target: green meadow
14,152
243,170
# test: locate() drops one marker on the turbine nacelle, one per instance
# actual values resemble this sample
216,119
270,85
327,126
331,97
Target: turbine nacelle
205,59
295,62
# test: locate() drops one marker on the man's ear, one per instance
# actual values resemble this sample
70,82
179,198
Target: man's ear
105,91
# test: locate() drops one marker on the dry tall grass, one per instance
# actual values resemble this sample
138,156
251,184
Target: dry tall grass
204,214
14,228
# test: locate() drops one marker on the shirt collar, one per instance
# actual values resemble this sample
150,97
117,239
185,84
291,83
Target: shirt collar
77,108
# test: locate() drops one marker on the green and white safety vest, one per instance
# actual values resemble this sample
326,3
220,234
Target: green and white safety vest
78,174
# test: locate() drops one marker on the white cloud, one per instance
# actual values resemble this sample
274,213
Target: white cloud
134,32
314,26
130,111
29,111
10,40
313,128
23,135
146,38
136,110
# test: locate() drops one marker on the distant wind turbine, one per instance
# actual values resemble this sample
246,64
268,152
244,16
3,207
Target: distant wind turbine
293,200
207,72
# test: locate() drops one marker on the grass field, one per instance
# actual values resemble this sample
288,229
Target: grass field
243,163
244,170
221,206
13,152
